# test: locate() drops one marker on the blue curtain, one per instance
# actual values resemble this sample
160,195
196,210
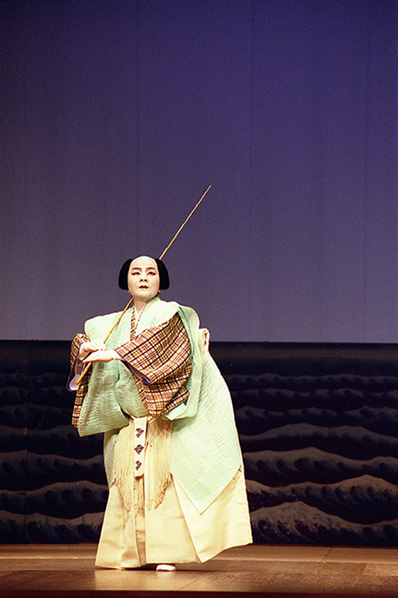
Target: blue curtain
116,116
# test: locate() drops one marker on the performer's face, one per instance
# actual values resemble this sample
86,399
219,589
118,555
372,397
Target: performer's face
143,279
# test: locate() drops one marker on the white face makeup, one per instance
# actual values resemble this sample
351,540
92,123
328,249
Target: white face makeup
143,279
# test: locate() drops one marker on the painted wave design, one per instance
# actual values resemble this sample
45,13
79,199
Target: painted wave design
281,468
40,528
53,481
353,500
321,457
299,523
383,419
341,440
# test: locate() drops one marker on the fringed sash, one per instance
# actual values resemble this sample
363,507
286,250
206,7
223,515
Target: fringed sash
155,460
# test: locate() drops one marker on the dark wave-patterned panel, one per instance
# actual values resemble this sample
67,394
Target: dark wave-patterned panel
317,424
319,434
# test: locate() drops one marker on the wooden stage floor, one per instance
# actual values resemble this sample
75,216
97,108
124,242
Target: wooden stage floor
257,570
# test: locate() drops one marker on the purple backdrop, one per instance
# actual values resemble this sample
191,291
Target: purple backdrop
116,116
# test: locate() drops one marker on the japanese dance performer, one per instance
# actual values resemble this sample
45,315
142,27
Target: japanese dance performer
172,457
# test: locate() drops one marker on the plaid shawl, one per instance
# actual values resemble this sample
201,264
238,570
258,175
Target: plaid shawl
159,359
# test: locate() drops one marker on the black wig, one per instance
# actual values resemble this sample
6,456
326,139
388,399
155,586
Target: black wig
163,274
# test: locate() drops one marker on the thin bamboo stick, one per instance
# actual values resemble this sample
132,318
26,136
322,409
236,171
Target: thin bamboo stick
184,223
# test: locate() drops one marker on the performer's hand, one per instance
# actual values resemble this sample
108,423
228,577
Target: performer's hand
89,346
101,355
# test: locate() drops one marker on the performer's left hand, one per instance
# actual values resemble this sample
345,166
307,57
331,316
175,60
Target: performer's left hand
103,356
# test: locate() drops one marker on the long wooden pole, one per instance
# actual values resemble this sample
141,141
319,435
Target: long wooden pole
184,223
160,257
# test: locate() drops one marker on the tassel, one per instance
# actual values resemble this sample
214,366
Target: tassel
124,464
157,474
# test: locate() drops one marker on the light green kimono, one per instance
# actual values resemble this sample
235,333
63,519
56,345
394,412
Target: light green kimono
205,451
